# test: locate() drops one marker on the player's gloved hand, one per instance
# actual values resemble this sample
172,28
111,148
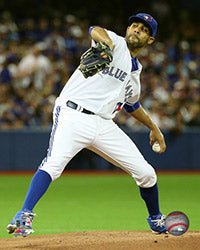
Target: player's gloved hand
95,59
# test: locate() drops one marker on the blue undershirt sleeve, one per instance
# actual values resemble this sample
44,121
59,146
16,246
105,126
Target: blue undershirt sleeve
91,27
130,108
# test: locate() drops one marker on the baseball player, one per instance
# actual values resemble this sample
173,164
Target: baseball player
82,118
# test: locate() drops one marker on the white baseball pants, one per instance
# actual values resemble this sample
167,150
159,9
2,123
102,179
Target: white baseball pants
73,131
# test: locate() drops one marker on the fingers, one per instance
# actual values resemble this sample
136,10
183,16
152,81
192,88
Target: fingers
104,55
162,148
159,138
152,142
161,141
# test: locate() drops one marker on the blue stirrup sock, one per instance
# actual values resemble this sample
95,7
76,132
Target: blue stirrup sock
150,196
41,181
39,185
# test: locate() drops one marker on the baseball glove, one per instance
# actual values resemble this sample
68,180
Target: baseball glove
92,61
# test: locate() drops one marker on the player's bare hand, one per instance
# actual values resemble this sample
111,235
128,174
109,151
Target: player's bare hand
104,55
157,136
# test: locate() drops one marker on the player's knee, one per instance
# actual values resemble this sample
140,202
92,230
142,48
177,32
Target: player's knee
53,168
147,178
52,172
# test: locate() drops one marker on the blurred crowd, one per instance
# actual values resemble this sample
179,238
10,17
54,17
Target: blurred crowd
170,86
37,58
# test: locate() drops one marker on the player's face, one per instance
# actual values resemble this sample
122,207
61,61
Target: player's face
138,36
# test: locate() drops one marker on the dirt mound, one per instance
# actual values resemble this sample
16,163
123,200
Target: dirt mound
105,240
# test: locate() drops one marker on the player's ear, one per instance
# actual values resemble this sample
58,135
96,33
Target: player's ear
127,29
151,40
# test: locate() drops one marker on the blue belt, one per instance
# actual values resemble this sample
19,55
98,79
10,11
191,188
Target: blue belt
75,106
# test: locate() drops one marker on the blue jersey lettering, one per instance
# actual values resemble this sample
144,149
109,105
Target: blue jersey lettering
116,73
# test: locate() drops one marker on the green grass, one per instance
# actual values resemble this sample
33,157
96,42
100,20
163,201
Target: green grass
101,202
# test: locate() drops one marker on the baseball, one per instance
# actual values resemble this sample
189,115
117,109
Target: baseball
156,147
177,223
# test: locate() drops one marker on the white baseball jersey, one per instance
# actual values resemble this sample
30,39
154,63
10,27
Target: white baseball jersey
103,94
106,92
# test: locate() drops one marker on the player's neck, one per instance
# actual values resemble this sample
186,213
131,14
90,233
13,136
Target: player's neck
136,52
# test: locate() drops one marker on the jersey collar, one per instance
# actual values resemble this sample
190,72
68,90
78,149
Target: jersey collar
134,64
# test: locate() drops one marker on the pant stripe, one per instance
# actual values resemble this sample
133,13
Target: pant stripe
52,136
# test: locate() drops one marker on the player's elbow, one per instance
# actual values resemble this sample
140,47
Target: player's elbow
94,30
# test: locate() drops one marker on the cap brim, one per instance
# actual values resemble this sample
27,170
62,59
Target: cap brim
138,19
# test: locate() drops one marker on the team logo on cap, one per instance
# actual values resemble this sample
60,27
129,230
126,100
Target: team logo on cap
147,18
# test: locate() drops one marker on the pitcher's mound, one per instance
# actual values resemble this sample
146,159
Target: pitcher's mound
105,240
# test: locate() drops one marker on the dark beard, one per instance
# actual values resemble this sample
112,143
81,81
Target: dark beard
134,45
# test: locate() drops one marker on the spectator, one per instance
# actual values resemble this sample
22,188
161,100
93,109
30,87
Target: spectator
37,58
34,67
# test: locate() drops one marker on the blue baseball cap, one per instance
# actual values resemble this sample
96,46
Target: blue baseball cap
146,19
